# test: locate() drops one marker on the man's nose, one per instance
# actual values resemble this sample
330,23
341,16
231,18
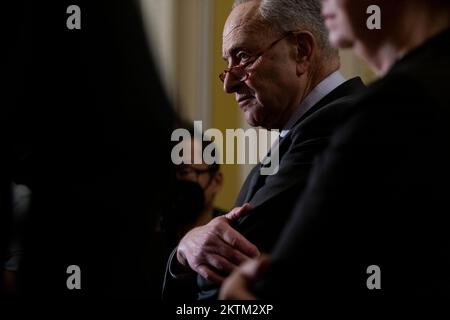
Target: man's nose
231,83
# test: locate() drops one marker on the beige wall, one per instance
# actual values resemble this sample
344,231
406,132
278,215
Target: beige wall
159,21
225,113
352,66
187,37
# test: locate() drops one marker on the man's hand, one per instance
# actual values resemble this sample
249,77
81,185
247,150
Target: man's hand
237,285
216,249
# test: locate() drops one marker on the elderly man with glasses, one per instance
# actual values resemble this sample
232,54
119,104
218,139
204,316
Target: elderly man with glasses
284,75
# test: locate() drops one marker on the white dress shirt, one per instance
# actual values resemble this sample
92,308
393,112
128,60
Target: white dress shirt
327,85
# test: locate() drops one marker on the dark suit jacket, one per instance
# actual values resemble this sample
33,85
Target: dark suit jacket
298,152
378,195
272,197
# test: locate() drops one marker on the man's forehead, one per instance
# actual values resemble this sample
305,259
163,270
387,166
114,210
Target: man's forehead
241,26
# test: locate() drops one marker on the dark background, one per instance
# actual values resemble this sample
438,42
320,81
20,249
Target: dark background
87,129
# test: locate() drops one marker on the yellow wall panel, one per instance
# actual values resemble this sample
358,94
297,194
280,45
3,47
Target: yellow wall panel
225,113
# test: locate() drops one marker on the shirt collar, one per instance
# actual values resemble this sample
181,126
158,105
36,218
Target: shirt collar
327,85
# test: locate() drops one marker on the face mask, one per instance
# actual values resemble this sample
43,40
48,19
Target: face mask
188,203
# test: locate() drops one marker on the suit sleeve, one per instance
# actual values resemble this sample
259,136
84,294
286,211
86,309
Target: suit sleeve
178,285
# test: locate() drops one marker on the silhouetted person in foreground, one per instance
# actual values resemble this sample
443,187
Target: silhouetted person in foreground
93,123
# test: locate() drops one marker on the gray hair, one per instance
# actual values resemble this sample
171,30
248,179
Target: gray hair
289,15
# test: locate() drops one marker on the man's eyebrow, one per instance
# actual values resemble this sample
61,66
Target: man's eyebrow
242,43
231,52
234,50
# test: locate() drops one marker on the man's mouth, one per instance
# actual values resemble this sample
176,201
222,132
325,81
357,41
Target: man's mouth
242,101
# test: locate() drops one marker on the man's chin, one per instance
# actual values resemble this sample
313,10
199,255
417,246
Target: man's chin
251,122
249,117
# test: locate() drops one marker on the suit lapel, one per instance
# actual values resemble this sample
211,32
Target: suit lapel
246,188
349,87
255,180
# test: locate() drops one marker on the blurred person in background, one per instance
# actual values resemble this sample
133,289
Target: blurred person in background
192,204
197,187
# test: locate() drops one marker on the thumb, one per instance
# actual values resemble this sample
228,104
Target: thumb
238,212
256,267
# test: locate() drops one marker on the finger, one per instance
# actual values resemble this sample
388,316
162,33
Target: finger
209,274
264,264
238,212
254,268
239,242
221,264
228,252
235,287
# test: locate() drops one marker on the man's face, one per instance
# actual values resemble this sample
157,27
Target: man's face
346,21
271,93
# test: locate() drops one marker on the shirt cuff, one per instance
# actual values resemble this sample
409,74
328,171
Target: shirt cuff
176,270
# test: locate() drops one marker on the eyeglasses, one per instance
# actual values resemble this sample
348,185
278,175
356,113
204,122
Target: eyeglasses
186,171
241,72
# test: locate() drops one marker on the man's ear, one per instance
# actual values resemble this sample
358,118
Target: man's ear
305,47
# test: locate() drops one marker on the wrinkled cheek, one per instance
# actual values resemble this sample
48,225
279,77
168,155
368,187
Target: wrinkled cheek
253,114
250,87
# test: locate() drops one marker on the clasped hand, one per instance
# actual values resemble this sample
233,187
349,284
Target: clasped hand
216,249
